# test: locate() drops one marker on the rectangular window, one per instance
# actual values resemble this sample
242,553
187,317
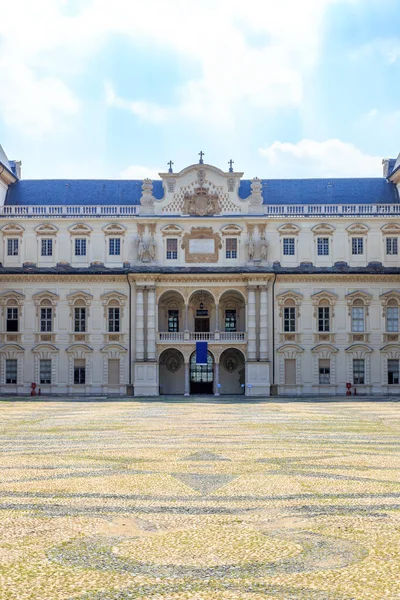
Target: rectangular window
392,319
289,318
47,247
358,371
80,319
80,247
79,371
324,368
230,320
392,247
113,319
231,248
12,247
357,319
113,371
172,249
11,370
324,318
12,319
173,321
323,246
114,247
290,371
288,246
357,246
46,319
393,371
45,371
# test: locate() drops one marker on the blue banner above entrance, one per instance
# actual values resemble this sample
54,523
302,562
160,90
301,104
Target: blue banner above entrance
201,353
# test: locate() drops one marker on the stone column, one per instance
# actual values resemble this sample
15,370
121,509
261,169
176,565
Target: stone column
139,324
186,317
216,379
217,317
151,323
263,324
187,379
251,325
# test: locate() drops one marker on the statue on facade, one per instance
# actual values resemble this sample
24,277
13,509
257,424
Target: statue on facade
141,249
251,248
152,249
263,249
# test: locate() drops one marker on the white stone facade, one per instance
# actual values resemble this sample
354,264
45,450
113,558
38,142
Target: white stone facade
293,299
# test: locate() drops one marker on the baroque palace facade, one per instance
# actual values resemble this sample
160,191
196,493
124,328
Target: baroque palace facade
106,286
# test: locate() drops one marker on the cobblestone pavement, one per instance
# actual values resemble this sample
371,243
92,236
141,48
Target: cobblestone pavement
185,500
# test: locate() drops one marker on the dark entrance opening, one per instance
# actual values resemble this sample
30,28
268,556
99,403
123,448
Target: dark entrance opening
201,376
202,325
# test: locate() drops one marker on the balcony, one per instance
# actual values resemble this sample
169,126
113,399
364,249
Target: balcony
168,337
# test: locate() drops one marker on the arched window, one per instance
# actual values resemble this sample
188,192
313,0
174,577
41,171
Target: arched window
289,303
358,303
80,311
391,314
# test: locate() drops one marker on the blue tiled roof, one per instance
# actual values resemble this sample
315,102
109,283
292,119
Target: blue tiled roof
363,190
70,192
63,192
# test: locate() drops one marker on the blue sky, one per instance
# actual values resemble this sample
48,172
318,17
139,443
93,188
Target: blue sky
94,89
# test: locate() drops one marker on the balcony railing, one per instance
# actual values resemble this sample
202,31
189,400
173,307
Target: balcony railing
67,212
206,336
272,210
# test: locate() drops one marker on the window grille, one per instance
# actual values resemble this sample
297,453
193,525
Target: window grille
358,371
46,319
392,319
114,246
324,318
12,247
289,318
357,319
392,247
172,249
357,246
288,246
323,246
231,248
80,247
11,370
47,247
80,319
45,371
113,319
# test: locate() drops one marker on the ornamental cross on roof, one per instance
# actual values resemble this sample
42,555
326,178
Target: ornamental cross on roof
201,154
170,163
230,163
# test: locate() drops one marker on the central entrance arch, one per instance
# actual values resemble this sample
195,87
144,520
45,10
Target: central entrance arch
201,376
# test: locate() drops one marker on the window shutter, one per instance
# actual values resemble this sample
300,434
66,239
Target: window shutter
113,371
290,371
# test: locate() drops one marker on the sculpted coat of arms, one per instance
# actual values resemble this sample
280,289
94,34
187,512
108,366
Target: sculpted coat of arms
201,202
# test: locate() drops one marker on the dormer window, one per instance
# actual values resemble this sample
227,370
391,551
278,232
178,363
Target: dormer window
47,247
12,247
392,246
114,246
288,247
357,246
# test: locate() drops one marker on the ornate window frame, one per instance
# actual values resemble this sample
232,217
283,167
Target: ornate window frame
361,351
85,301
356,230
84,231
389,351
11,231
118,300
48,296
361,297
114,351
295,298
45,351
324,351
46,230
385,298
13,352
290,351
12,299
80,351
317,299
118,231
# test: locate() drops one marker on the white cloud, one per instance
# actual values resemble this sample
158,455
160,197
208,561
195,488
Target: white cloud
388,49
140,172
308,158
221,37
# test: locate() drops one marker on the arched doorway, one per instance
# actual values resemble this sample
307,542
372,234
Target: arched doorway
232,371
201,376
172,372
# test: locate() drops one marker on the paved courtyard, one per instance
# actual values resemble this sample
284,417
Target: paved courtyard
178,500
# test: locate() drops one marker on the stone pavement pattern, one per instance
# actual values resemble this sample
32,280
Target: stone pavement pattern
178,500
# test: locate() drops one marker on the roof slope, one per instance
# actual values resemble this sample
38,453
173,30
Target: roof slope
84,192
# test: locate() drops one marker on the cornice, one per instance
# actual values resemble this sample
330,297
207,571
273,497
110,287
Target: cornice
45,278
348,277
